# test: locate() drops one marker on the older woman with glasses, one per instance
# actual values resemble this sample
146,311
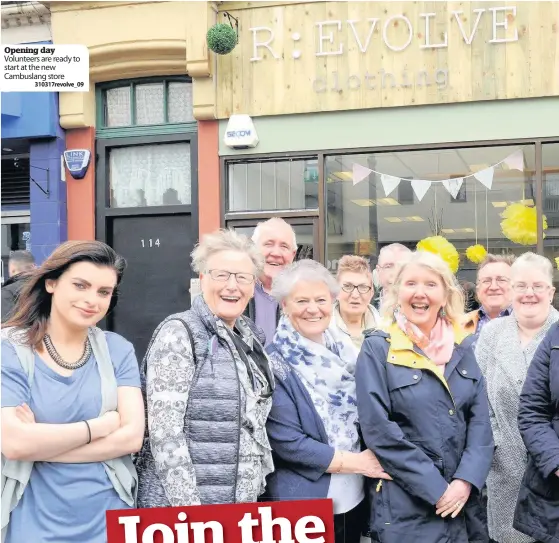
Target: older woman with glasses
208,387
353,312
313,424
504,351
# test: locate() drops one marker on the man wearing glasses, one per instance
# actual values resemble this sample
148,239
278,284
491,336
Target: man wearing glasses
493,290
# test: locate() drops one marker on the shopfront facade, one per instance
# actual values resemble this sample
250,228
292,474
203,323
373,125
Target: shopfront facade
149,121
382,123
33,184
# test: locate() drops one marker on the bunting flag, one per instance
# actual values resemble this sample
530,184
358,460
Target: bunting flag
514,161
485,177
360,173
389,183
453,186
420,187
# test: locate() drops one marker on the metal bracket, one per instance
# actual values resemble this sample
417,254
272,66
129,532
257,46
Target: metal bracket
231,19
45,192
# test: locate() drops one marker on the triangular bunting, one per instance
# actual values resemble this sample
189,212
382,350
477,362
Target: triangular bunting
453,186
515,161
360,173
420,187
485,177
389,183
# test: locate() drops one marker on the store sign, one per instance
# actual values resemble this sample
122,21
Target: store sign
338,56
329,44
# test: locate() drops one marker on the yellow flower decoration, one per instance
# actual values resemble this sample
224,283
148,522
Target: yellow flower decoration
519,224
476,253
557,261
442,247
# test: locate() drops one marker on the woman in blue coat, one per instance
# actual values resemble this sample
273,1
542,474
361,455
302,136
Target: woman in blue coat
423,411
313,426
537,510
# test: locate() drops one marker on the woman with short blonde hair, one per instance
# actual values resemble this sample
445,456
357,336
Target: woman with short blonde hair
353,311
423,411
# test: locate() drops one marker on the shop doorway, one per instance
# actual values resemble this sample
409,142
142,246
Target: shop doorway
147,211
306,232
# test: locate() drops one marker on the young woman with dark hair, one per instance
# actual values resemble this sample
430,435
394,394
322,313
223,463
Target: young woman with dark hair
72,410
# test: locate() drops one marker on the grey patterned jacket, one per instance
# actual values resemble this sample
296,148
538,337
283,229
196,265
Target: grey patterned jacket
196,403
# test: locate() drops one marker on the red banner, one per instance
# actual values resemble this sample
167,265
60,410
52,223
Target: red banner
309,521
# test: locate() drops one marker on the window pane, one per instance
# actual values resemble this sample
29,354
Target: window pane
117,107
550,168
271,185
150,104
150,175
363,218
179,102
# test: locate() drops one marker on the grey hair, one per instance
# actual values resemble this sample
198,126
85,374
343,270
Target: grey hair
225,240
394,247
302,270
22,260
278,221
533,260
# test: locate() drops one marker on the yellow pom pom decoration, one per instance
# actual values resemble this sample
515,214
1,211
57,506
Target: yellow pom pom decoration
519,224
442,247
476,253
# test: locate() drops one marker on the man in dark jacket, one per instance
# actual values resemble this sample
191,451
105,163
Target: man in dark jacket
19,263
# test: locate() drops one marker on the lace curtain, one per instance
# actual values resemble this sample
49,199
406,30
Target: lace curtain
150,175
149,104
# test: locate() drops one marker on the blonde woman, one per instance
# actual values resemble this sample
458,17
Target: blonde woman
504,350
423,412
353,312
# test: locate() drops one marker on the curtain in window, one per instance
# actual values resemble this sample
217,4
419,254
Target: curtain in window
150,175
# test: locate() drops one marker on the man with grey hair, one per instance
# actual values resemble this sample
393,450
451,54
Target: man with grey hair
19,263
276,241
493,291
388,258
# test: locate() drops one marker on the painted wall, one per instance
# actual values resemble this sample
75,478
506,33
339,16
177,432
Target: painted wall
29,115
49,222
510,119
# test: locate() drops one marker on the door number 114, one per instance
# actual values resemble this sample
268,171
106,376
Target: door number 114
150,242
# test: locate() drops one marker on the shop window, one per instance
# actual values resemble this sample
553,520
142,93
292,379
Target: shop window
150,175
550,169
146,103
272,185
372,218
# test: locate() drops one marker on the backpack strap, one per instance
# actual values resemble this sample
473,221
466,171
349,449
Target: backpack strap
25,354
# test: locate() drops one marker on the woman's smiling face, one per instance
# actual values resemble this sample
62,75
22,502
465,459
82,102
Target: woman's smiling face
309,308
421,295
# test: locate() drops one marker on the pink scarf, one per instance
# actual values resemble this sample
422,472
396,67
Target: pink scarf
438,346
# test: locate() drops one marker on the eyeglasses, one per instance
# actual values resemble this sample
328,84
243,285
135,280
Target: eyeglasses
223,276
538,288
389,266
362,289
488,281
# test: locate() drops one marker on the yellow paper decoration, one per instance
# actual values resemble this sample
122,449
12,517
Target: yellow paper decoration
476,253
442,247
519,224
